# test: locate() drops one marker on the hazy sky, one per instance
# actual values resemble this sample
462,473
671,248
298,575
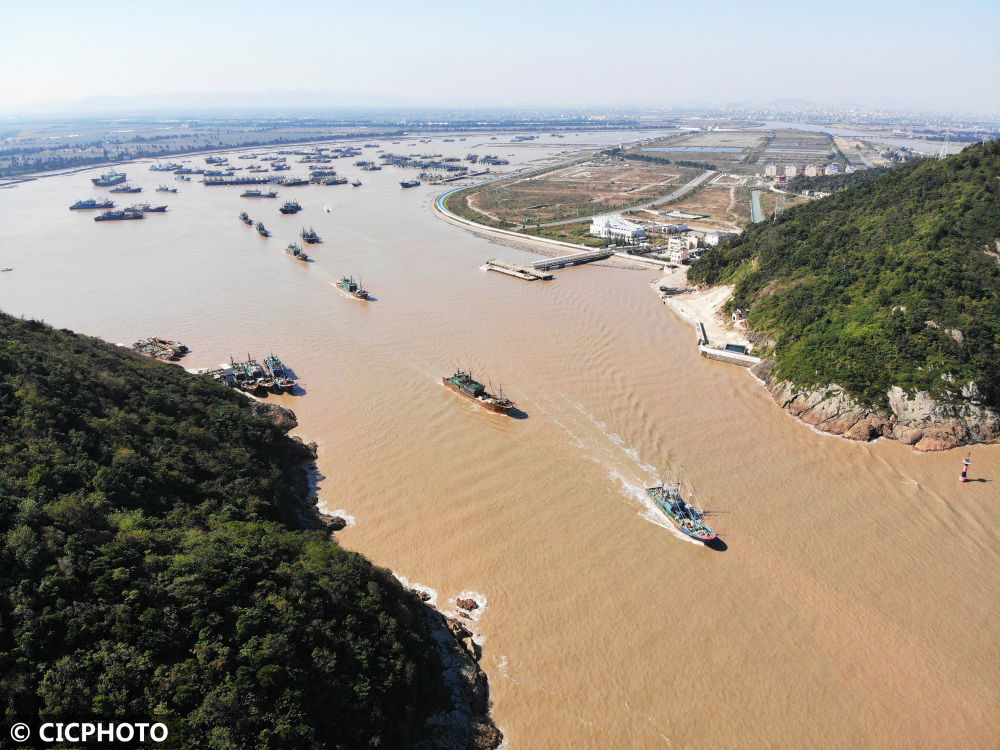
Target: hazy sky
905,54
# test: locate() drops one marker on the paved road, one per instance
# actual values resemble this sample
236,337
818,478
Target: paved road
755,213
673,196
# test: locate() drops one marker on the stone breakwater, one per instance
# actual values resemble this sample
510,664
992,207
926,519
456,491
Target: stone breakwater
917,420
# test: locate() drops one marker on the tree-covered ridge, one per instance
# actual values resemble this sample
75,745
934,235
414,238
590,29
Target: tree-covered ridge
834,183
894,282
151,565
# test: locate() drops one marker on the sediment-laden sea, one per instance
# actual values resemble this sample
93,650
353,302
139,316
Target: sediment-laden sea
852,606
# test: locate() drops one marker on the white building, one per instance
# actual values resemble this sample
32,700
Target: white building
673,228
714,238
834,168
771,170
791,170
812,170
614,227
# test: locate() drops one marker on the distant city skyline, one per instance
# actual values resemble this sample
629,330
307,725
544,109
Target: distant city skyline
908,56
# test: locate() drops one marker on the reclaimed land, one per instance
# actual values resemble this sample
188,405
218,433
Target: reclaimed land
878,308
158,563
587,187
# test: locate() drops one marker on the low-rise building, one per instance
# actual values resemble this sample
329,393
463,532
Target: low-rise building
673,228
791,170
812,170
614,227
834,168
771,170
714,238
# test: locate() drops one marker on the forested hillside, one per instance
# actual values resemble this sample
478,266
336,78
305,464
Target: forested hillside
152,565
894,282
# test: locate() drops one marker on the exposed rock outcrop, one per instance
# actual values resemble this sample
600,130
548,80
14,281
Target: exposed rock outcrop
467,726
282,418
916,420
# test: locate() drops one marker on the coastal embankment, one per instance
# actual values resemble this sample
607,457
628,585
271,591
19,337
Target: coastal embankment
912,419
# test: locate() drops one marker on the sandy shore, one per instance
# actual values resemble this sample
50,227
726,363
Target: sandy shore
694,306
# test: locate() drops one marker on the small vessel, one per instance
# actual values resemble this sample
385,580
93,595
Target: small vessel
256,379
166,189
122,214
335,181
8,268
262,230
355,183
147,209
91,203
174,345
294,182
279,374
352,287
258,194
410,183
296,252
290,207
309,236
182,177
245,218
669,498
126,189
108,179
464,385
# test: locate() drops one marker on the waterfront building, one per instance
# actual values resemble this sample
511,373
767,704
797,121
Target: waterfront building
614,227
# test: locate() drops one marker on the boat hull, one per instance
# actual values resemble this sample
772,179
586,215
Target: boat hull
489,405
693,528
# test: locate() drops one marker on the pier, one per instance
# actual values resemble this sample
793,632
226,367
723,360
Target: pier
727,355
571,260
522,272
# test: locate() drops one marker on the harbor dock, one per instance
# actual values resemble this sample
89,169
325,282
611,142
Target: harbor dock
528,273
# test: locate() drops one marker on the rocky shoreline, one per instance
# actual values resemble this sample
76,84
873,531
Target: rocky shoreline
917,420
920,421
467,724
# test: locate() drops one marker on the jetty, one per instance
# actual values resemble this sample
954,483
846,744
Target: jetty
527,273
574,259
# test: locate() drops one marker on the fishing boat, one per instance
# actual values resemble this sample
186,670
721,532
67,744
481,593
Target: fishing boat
183,178
355,183
290,207
410,183
108,179
126,188
296,252
669,498
465,385
91,203
147,209
245,218
309,236
175,345
257,379
262,230
352,287
294,182
279,374
258,194
166,189
124,214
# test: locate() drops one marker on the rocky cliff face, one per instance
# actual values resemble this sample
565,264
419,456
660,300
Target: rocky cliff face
920,421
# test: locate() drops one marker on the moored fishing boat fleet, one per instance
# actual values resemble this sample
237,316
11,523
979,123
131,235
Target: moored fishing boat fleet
271,375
